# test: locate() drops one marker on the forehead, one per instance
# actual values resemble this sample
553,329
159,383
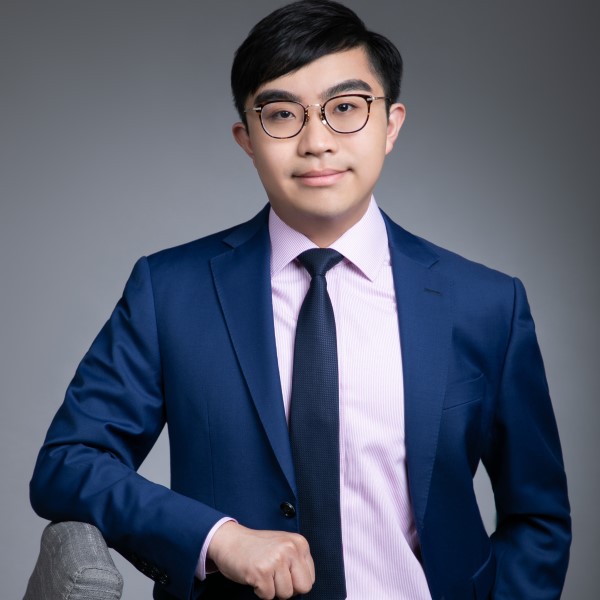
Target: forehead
318,79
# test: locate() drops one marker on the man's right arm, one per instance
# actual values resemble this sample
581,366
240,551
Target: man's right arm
112,415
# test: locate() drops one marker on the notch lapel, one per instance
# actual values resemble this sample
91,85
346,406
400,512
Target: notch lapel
424,312
242,279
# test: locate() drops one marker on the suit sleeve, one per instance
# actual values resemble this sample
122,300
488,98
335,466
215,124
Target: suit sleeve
112,415
525,464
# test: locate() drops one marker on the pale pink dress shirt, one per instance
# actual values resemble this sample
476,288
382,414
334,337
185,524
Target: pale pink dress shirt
378,529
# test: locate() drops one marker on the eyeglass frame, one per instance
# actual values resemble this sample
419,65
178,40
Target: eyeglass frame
369,99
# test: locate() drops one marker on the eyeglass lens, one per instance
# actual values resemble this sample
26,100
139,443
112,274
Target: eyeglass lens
344,114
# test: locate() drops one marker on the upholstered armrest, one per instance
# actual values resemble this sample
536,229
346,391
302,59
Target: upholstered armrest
74,564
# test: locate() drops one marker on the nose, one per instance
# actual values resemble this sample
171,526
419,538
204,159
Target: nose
316,136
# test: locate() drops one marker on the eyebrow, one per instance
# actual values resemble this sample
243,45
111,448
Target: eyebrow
271,95
349,85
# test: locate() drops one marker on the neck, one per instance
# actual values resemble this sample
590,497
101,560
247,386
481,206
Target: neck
322,231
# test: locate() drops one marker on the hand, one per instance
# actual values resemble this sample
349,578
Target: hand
276,564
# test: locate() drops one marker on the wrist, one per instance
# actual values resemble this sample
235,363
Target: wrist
206,565
221,542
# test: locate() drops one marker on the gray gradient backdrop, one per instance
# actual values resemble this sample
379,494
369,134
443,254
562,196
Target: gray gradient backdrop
115,142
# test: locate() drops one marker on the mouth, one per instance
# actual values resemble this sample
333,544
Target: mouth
320,177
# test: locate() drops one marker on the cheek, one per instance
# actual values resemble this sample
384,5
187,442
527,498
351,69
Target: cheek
370,161
263,161
271,157
270,169
371,148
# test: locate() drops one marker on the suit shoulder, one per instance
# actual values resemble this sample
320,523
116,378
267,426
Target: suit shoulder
200,251
442,259
464,267
470,280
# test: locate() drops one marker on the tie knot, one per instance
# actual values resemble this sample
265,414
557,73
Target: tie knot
317,261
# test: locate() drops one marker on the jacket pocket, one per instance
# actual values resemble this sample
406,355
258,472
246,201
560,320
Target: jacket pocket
464,392
483,580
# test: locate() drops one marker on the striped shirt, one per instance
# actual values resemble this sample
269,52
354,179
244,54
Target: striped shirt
381,547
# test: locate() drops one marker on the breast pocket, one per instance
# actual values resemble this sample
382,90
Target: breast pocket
464,392
461,427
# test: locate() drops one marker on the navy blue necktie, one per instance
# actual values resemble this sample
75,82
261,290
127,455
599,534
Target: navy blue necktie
314,428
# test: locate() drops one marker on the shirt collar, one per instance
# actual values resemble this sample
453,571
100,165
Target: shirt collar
365,244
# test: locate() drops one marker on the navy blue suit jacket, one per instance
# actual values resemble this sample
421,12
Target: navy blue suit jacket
191,343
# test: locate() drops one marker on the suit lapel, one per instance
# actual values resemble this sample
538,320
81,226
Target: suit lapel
243,282
424,312
242,278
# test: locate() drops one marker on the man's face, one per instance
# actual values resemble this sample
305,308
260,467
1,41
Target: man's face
320,182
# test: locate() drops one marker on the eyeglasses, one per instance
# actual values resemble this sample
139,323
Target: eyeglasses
284,119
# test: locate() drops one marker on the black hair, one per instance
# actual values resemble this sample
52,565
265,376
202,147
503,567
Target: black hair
301,32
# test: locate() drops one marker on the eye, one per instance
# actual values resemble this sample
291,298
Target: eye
279,112
344,107
281,115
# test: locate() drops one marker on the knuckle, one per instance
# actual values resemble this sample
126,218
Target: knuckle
301,542
262,570
261,588
289,545
304,588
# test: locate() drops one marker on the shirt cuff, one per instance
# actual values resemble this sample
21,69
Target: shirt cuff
202,569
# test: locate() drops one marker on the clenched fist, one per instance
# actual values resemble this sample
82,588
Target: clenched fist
276,564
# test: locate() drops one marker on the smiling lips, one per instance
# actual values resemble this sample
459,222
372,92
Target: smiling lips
320,178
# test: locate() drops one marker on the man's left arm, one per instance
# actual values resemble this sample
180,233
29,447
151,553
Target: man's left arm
524,460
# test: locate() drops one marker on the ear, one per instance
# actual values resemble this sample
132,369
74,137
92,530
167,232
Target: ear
395,121
241,136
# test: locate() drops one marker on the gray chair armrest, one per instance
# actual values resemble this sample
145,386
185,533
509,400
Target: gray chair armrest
74,564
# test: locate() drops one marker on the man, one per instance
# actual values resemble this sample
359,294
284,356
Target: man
437,369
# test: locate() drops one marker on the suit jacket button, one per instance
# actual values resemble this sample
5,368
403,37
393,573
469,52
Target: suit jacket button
287,510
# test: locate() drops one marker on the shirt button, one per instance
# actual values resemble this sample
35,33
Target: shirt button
287,510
